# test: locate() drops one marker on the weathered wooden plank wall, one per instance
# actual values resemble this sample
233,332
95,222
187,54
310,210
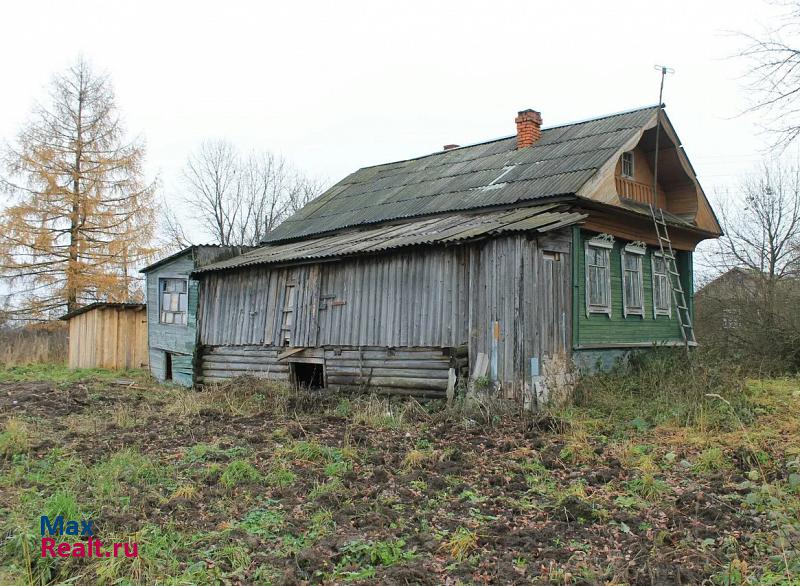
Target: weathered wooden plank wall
520,292
440,298
401,300
423,370
246,307
108,337
222,362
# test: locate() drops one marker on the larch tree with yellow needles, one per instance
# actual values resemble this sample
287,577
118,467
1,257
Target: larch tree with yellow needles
80,218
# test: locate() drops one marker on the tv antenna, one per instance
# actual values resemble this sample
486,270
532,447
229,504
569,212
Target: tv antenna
664,71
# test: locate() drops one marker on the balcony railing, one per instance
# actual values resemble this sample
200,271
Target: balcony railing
634,190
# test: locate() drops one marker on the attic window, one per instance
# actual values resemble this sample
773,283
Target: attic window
627,164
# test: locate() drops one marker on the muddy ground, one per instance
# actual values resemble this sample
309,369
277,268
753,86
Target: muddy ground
374,491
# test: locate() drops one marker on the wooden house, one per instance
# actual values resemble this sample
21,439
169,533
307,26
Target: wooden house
505,259
107,335
172,310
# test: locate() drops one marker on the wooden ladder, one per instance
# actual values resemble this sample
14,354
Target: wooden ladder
678,296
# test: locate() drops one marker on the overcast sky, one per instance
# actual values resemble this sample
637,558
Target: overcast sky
335,86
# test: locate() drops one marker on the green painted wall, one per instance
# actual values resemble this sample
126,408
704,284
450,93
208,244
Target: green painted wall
178,340
602,330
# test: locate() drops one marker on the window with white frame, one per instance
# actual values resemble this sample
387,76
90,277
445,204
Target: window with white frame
598,274
288,315
661,286
627,164
174,301
632,282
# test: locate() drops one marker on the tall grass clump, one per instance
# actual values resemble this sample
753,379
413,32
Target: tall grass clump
14,438
251,395
664,385
33,344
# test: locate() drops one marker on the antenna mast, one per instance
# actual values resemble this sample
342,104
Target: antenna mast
664,71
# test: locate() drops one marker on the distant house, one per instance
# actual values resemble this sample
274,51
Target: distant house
172,310
719,302
107,335
740,295
505,259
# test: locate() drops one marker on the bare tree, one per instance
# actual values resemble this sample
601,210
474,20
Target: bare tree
214,188
173,235
264,204
762,232
240,199
303,190
750,312
774,74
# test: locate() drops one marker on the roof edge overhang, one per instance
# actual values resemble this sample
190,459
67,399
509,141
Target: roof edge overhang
659,116
569,217
168,259
102,305
556,198
690,232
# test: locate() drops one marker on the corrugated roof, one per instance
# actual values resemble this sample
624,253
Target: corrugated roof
483,175
440,230
228,249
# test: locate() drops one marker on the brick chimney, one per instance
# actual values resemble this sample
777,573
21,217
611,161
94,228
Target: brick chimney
449,147
529,128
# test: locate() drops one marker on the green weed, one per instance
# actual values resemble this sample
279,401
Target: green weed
264,521
62,503
337,468
235,556
239,472
380,413
322,523
111,477
344,408
368,554
60,373
333,487
711,460
281,477
157,557
311,451
647,487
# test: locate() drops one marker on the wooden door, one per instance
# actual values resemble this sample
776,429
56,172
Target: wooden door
554,295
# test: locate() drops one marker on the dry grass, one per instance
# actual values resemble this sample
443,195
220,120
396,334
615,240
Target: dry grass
461,543
15,438
380,412
45,343
417,459
185,491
